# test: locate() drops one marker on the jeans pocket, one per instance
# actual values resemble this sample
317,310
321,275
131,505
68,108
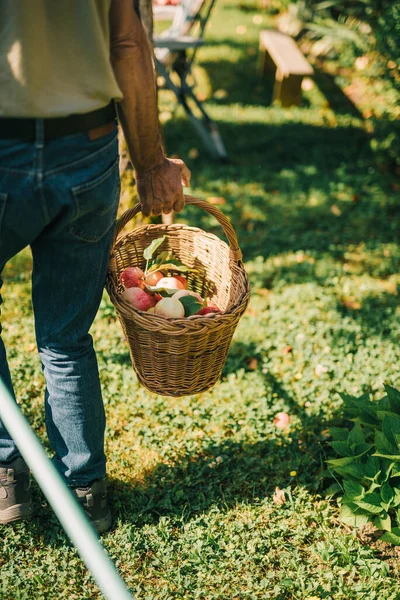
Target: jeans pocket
96,204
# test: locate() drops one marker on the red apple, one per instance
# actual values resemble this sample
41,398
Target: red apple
132,277
154,278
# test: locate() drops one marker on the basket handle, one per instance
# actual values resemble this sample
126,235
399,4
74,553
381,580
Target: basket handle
235,252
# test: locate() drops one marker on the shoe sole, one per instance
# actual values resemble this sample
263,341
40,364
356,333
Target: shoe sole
104,524
16,512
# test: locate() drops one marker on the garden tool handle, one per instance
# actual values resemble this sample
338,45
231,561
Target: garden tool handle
235,252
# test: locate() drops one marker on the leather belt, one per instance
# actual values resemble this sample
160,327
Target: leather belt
25,128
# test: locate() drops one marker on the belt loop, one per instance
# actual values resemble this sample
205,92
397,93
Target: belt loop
39,133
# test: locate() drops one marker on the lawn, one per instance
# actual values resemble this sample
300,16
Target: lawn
193,480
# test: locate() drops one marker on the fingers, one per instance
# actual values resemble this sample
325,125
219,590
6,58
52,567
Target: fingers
186,175
179,204
162,191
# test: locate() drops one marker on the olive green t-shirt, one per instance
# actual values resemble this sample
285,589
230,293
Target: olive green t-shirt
55,57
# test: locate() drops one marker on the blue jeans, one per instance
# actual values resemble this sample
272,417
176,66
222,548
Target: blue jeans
60,197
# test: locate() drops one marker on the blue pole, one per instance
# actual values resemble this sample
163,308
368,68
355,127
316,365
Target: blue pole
65,506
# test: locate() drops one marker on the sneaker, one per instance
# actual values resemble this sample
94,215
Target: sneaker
15,493
93,500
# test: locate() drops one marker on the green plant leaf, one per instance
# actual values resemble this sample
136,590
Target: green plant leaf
361,409
395,472
383,522
394,398
339,434
361,449
354,490
392,537
391,430
191,305
384,448
353,469
387,494
356,435
149,251
340,462
396,500
370,503
352,516
342,448
372,468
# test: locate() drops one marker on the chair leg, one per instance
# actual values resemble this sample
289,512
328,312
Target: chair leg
206,128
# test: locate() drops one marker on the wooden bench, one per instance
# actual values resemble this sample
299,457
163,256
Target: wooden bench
282,55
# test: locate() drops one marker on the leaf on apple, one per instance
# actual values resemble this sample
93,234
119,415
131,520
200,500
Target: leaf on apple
149,251
191,305
164,292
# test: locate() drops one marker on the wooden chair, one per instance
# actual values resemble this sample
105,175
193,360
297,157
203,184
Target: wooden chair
282,55
175,52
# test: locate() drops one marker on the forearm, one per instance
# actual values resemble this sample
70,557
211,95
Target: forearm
132,63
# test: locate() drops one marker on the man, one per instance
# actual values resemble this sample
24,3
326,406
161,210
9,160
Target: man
62,66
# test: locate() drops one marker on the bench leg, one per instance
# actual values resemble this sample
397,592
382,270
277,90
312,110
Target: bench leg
288,89
268,65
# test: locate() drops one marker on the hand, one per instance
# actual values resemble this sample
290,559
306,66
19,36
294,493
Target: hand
160,190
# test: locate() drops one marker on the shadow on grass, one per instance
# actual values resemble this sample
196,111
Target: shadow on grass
221,475
285,187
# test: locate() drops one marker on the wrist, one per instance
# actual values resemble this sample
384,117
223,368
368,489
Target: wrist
155,162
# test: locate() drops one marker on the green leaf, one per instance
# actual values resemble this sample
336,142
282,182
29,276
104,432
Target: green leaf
354,490
170,266
352,516
340,462
387,494
396,500
361,449
149,251
391,430
353,469
370,503
191,305
395,470
372,468
392,537
341,448
394,398
361,409
164,292
384,448
338,433
356,435
383,522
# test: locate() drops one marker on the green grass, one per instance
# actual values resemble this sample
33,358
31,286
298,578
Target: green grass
192,479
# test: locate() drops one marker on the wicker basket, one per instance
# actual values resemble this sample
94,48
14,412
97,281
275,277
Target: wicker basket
177,357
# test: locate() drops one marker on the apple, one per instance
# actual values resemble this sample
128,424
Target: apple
183,281
208,310
138,298
132,277
169,307
154,278
170,283
181,293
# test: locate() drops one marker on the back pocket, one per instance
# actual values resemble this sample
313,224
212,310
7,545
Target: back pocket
96,204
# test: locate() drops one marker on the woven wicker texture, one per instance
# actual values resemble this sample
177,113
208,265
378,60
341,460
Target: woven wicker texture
177,357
